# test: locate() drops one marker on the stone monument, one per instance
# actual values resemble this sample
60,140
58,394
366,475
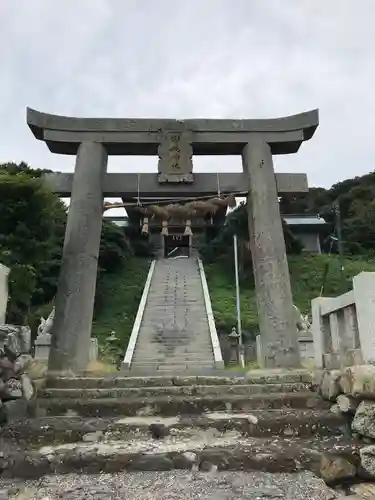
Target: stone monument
91,140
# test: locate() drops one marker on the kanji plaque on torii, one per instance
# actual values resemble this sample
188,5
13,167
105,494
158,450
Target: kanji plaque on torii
175,158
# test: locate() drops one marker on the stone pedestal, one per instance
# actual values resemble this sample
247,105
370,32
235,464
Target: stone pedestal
71,331
43,347
272,281
4,271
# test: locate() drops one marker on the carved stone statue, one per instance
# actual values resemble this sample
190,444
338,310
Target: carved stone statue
302,321
45,327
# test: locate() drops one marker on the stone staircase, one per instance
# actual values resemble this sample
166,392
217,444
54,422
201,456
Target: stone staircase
174,333
271,423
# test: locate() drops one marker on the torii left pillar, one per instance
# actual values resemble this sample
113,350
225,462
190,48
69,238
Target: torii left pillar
71,331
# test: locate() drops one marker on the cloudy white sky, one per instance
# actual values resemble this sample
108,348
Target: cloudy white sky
194,58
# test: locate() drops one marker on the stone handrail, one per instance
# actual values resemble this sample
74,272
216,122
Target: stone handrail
343,326
218,359
138,320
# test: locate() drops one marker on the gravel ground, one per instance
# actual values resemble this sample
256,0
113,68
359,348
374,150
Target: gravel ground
174,485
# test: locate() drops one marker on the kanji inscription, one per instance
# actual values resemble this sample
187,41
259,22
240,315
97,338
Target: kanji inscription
175,158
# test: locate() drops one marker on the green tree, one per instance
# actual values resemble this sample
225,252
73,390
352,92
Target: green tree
32,227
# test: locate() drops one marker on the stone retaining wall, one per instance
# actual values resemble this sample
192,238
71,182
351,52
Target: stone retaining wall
352,393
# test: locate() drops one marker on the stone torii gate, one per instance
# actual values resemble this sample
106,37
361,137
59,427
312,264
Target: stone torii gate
175,142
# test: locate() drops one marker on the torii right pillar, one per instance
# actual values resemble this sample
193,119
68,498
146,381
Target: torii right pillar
273,290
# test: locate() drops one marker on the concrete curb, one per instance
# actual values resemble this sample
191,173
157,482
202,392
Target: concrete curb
138,319
219,363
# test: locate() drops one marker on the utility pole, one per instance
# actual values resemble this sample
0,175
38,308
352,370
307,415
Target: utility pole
238,304
339,238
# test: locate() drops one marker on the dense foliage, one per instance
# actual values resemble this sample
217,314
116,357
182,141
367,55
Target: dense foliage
32,227
220,248
356,200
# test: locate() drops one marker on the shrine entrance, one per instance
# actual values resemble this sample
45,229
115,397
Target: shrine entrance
175,142
176,245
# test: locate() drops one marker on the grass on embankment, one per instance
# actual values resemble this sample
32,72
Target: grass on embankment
117,299
306,272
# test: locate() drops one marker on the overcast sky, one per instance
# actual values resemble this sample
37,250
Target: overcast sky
189,59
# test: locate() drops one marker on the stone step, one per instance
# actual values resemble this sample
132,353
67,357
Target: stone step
174,360
161,348
177,366
191,371
149,355
195,390
119,381
167,406
230,451
171,365
258,423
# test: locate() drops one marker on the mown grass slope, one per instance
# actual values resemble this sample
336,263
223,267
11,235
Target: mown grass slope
307,274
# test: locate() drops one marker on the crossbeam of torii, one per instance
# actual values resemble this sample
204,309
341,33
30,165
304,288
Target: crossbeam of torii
146,185
175,142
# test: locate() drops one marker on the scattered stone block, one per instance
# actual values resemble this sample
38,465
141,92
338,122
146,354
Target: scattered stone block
359,381
317,379
367,455
330,387
158,431
347,404
353,357
364,419
93,437
16,410
335,468
332,361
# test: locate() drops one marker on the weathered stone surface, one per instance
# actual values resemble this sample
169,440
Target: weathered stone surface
4,272
92,437
317,379
21,363
273,289
17,340
170,406
12,389
179,485
278,375
359,380
227,451
335,409
367,455
330,387
347,404
348,497
16,410
364,419
365,491
336,468
76,289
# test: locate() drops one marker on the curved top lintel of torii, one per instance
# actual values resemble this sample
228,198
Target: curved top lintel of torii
141,136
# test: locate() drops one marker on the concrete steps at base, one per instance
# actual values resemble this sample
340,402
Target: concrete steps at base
176,405
229,451
33,433
194,390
